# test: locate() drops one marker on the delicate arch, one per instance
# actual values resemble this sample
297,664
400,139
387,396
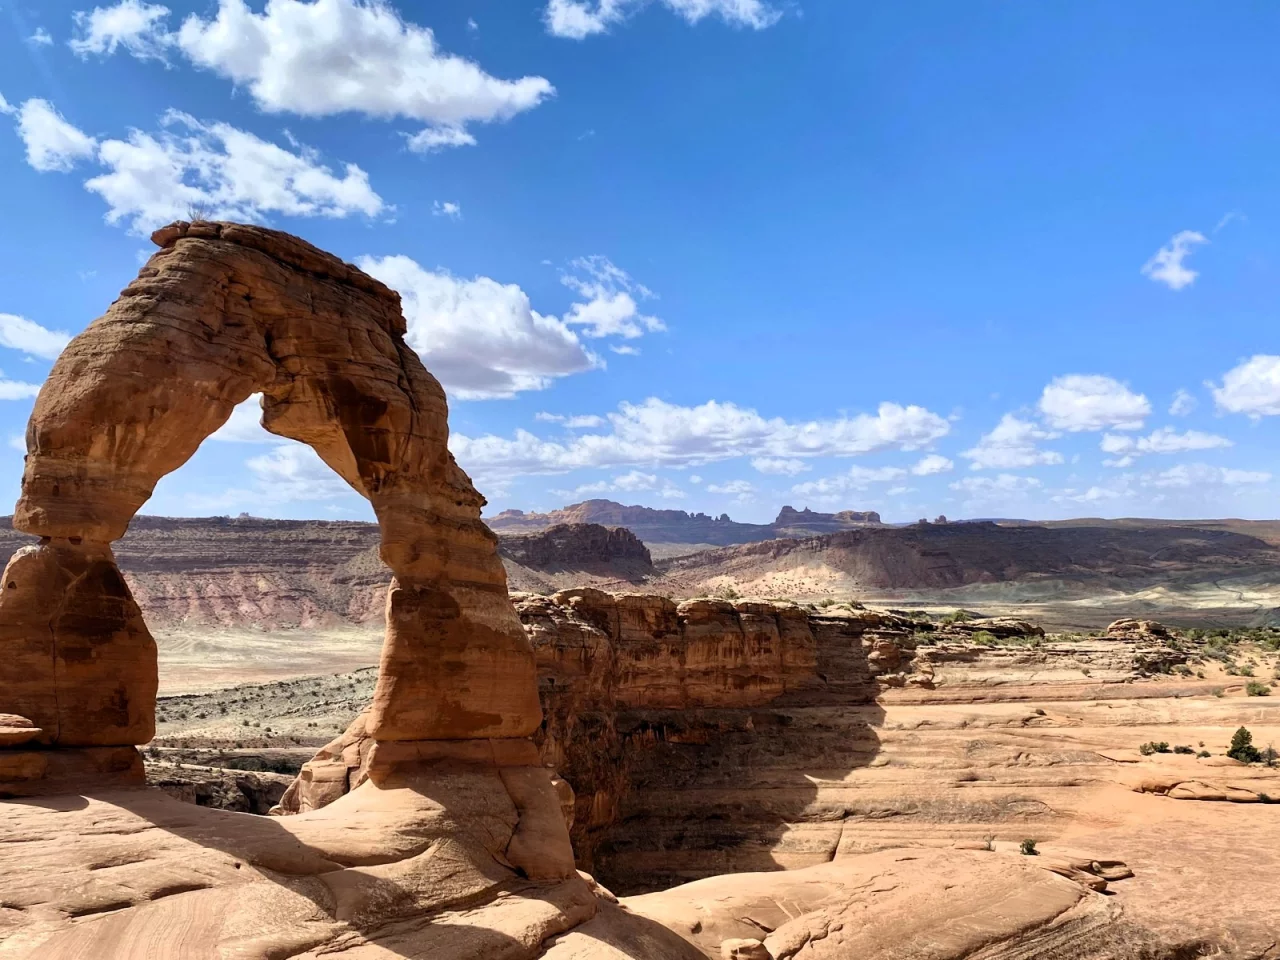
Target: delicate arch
221,312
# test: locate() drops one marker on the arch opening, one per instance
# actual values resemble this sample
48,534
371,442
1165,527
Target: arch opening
221,312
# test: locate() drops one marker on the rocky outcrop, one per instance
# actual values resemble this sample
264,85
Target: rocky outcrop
1063,561
577,545
221,312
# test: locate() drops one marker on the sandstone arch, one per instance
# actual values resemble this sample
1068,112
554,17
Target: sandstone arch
221,312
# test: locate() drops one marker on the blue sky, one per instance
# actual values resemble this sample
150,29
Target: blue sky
980,259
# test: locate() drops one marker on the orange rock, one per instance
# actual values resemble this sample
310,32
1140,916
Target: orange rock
221,312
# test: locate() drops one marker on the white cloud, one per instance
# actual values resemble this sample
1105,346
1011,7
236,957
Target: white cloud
447,209
999,490
855,478
290,472
1166,266
41,38
5,108
440,137
1012,444
17,389
611,308
1251,388
153,179
1183,403
483,339
732,486
1078,402
337,56
657,432
480,338
781,466
577,19
245,424
19,333
1203,475
472,25
1164,440
135,26
580,422
1093,494
18,442
931,464
635,480
695,479
52,143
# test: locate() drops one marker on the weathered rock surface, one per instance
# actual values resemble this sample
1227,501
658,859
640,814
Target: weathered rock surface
223,311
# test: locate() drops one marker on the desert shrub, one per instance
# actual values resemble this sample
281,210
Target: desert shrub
985,637
727,592
826,602
1028,848
1246,670
990,841
1242,747
1183,749
1204,753
1255,689
1154,746
1269,755
957,616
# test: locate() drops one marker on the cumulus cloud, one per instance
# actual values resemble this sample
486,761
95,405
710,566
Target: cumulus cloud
483,339
289,472
1011,445
657,432
131,25
577,19
580,422
610,307
933,463
446,209
19,333
52,143
245,425
1167,266
780,466
154,178
17,389
1183,403
41,38
731,487
1164,440
1000,490
1251,388
855,478
321,58
1203,475
1078,402
633,482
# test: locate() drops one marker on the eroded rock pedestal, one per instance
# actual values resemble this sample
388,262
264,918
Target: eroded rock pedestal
456,805
224,311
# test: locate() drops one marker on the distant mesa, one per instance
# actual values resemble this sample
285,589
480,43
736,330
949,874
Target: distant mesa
678,526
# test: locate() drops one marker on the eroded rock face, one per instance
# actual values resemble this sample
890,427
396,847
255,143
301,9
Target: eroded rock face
221,312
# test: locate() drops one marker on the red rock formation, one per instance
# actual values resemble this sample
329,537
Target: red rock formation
221,312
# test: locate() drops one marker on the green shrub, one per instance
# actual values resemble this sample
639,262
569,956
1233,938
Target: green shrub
1204,753
1255,689
1183,749
1242,747
1154,746
1028,848
985,637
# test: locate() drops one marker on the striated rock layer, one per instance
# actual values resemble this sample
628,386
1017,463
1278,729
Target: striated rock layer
221,312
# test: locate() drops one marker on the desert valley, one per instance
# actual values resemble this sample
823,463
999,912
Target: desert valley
822,737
